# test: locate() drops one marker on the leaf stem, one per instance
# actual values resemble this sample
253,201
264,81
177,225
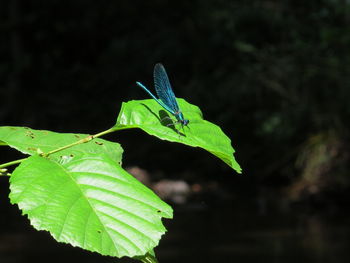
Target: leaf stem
147,258
11,163
84,140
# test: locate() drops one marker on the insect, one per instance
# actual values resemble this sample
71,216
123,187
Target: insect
165,93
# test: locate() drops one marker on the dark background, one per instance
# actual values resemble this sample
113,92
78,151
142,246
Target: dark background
273,74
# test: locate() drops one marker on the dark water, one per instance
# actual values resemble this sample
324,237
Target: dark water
237,236
199,233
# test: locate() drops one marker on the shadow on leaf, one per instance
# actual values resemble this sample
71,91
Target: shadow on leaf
165,119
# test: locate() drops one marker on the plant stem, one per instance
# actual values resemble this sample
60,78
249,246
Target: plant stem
11,163
84,140
147,258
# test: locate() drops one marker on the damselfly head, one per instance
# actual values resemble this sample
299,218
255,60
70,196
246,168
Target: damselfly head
180,118
185,122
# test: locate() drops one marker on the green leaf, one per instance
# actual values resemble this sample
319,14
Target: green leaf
89,202
30,141
149,116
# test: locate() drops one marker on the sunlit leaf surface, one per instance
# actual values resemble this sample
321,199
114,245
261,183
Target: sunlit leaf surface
149,116
30,141
90,202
